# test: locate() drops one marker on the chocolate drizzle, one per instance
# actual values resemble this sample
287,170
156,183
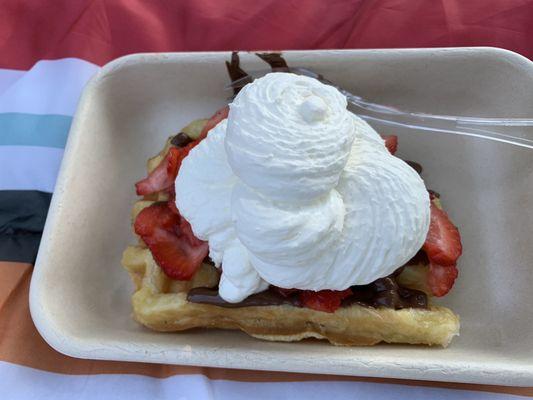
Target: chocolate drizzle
269,297
236,73
180,140
275,60
384,292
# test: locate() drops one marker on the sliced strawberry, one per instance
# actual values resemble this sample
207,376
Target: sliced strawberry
186,233
174,158
391,143
324,300
171,203
171,241
154,217
441,278
443,242
163,176
213,121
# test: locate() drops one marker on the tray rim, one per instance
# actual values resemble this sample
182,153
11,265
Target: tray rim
507,374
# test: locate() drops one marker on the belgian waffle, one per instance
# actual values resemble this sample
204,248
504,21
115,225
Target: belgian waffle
160,303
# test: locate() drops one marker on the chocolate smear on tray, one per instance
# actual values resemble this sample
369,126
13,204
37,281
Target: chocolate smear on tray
180,140
275,60
236,73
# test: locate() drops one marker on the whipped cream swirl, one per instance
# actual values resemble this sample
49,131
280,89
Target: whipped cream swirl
295,191
289,137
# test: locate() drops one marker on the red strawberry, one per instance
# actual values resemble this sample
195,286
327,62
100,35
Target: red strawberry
186,233
172,201
443,242
163,176
441,278
391,143
154,217
170,239
213,121
324,300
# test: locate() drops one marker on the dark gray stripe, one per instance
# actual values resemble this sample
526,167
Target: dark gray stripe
22,217
19,248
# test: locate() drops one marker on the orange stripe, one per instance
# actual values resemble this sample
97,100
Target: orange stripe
20,343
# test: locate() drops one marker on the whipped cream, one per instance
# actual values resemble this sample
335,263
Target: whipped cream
295,191
289,137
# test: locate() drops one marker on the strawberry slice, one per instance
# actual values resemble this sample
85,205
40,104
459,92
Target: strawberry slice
324,300
186,233
443,247
213,121
391,143
163,176
171,203
443,242
170,239
441,278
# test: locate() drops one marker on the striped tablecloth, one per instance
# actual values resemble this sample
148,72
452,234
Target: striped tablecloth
48,52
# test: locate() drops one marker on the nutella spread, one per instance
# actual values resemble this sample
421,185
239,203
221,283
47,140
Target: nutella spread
384,292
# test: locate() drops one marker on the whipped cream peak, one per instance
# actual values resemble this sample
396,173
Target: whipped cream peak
289,136
313,109
293,190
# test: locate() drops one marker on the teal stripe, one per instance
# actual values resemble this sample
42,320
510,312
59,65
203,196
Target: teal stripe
17,129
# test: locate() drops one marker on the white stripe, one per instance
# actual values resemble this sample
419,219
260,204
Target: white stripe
18,382
49,87
8,77
29,168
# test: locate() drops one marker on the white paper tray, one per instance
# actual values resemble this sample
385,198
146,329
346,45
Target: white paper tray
80,295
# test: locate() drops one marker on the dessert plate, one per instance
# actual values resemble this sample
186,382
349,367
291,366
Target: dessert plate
80,295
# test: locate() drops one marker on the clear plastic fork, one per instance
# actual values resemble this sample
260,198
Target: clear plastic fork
514,131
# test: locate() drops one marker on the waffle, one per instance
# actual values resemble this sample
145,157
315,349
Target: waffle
160,303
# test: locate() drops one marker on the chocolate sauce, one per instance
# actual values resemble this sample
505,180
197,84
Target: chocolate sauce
384,292
180,140
269,297
207,260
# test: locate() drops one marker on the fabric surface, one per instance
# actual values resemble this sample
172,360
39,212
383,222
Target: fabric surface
49,51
